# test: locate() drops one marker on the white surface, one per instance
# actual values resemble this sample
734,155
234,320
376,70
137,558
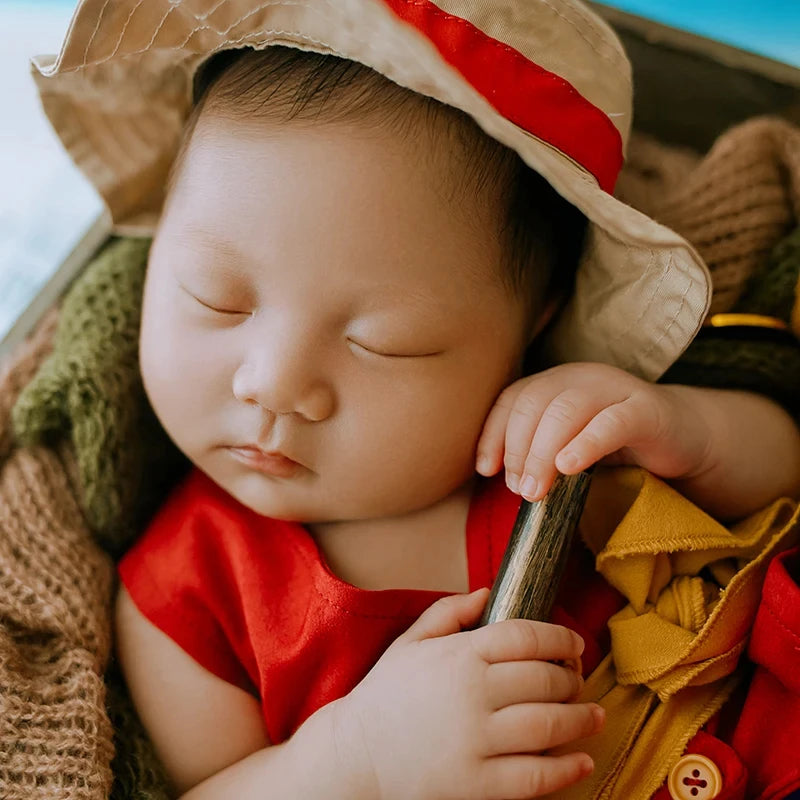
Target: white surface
46,205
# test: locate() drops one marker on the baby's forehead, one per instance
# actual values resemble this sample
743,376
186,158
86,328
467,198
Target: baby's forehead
293,89
468,180
369,198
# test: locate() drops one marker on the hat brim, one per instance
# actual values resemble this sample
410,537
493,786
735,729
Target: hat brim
119,92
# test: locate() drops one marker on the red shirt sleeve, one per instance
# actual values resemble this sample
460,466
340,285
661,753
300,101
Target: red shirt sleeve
768,731
179,578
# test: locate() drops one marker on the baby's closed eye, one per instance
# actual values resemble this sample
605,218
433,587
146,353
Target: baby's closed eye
401,352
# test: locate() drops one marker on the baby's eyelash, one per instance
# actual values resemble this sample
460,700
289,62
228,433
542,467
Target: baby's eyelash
220,310
392,355
210,307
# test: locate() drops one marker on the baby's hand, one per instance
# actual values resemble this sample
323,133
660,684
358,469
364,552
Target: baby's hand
447,713
569,417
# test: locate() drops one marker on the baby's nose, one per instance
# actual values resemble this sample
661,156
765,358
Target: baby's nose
284,382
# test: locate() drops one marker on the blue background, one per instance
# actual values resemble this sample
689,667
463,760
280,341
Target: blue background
771,28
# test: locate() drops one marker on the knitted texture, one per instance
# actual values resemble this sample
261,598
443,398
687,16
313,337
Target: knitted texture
91,387
55,594
734,206
773,292
59,724
89,392
19,370
771,365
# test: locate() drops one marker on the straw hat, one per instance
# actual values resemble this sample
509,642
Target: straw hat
547,78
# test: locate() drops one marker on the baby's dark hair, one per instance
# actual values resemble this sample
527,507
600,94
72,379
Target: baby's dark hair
543,233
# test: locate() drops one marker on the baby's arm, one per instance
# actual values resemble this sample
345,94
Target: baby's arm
445,712
754,456
731,452
208,733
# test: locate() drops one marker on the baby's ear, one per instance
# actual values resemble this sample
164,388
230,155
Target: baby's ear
544,317
551,308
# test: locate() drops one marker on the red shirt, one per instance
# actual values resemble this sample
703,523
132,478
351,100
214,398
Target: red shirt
252,600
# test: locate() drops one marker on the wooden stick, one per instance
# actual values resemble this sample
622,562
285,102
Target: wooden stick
537,552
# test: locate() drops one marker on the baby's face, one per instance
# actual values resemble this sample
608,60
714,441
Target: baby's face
324,331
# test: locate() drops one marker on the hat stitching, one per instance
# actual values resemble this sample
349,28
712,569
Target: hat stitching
173,7
94,32
182,44
207,13
612,56
121,34
670,322
656,286
175,4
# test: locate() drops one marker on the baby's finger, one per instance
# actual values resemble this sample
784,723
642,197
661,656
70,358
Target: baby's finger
447,616
523,422
492,439
530,727
525,640
565,416
616,426
511,682
520,777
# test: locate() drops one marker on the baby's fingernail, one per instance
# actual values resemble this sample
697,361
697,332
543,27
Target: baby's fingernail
586,764
567,461
512,481
529,488
484,464
599,714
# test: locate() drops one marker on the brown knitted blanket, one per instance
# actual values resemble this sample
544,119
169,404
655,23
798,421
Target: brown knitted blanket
734,205
62,706
55,594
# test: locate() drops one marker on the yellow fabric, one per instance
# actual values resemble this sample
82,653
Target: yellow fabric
693,588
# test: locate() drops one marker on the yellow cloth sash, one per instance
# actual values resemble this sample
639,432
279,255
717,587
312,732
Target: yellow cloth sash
693,589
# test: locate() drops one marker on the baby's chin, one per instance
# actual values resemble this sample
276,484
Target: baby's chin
273,500
285,500
309,505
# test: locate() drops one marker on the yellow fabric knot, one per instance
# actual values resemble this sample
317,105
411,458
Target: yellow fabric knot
693,587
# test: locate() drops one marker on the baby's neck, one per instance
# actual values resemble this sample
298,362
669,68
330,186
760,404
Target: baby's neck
424,549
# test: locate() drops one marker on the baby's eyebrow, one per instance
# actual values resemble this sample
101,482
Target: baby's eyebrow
390,295
226,251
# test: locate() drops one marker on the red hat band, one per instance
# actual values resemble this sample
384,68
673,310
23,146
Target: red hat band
537,100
